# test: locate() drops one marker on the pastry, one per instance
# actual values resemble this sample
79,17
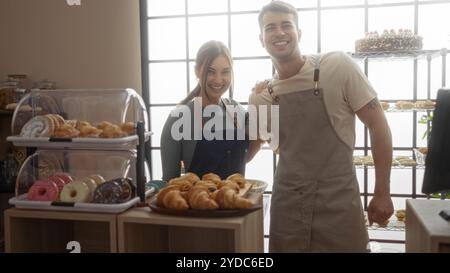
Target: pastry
43,190
230,184
238,178
89,131
384,105
170,197
102,125
191,177
228,199
401,215
39,126
404,105
76,192
424,104
211,186
128,128
66,130
199,198
182,183
212,176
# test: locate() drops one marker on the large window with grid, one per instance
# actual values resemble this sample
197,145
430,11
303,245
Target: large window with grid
173,30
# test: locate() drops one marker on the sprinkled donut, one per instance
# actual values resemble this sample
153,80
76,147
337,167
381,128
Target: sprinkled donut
43,190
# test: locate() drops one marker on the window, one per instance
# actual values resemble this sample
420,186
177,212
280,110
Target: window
177,28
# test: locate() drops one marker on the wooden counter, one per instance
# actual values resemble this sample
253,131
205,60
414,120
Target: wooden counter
426,231
141,230
50,231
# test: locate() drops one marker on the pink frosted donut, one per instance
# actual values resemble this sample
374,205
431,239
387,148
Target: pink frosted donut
43,190
58,181
65,177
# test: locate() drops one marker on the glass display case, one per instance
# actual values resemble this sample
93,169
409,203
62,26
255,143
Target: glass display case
86,150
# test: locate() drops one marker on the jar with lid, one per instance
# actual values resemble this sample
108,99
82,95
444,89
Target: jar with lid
8,92
44,85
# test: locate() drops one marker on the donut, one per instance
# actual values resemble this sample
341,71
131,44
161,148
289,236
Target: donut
65,177
109,192
58,181
91,185
97,178
43,190
76,192
127,188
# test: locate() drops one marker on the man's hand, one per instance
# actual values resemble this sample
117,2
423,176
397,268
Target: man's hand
260,86
380,209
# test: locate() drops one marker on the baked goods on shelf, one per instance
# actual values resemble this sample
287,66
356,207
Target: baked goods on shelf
400,214
52,125
404,105
384,105
389,41
62,187
424,104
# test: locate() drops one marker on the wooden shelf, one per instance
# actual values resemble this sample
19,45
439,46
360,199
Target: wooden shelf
50,231
141,230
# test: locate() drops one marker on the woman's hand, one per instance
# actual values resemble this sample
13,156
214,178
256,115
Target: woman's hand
260,86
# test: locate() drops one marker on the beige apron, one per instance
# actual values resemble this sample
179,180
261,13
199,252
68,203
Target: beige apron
316,205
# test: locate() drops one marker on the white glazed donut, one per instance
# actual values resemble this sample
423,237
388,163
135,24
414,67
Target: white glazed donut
77,192
91,185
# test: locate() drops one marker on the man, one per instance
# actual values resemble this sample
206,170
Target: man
316,205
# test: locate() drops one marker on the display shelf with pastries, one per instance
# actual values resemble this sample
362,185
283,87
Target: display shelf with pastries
398,162
408,106
91,119
79,180
89,150
395,223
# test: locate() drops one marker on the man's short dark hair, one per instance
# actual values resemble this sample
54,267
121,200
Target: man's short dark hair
277,6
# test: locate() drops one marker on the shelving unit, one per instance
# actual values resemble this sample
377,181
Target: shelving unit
141,230
413,55
51,231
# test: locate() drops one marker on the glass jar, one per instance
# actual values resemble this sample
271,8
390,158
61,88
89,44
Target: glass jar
44,85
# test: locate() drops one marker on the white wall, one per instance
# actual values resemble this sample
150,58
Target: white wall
95,45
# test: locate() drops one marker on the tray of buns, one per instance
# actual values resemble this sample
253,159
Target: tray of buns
210,196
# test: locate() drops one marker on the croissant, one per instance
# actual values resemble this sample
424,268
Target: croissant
184,184
228,199
238,178
170,197
199,198
212,177
230,184
191,177
211,186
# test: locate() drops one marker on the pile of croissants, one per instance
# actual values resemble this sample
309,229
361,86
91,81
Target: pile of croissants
209,193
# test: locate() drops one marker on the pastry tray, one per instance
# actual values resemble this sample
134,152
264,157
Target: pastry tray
22,203
80,143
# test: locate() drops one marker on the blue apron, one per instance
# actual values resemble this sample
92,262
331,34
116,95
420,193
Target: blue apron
222,157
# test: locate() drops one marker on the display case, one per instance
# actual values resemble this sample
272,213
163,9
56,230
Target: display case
79,119
88,150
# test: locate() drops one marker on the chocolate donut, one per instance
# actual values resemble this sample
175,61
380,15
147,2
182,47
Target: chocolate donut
109,192
127,188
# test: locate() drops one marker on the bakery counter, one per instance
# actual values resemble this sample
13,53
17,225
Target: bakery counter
426,231
141,230
51,231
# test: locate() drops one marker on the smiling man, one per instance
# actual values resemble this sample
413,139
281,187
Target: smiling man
316,205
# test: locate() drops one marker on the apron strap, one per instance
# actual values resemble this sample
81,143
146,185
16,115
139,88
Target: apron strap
316,61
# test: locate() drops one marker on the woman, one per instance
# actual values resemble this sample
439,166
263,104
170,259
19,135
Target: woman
220,149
